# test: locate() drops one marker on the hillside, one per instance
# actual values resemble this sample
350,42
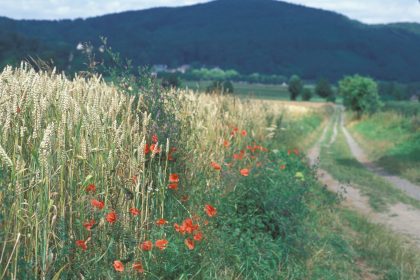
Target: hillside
248,35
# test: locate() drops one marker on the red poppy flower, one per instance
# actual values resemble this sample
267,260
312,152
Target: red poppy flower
198,236
243,132
185,198
226,143
155,149
296,151
188,226
245,172
134,179
161,244
235,129
239,156
189,243
283,166
18,109
118,266
210,210
146,149
161,222
173,186
89,225
259,164
91,188
111,217
81,244
288,152
155,138
138,266
216,166
98,204
174,178
134,211
146,245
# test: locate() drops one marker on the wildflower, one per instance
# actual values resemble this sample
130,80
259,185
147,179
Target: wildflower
138,266
188,226
89,225
134,211
155,138
155,148
98,204
198,236
118,266
111,217
161,244
216,166
146,245
81,244
174,178
283,167
189,243
243,132
185,198
296,151
18,109
245,172
210,210
226,143
134,179
259,164
91,188
146,149
173,186
161,222
239,156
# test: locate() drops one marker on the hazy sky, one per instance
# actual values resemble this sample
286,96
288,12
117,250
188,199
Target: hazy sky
369,11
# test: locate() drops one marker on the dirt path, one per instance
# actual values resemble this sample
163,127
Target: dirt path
406,186
401,218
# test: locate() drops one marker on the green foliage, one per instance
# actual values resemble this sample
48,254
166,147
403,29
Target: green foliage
323,89
307,94
220,87
360,94
295,87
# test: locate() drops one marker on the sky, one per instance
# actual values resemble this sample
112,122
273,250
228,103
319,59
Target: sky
368,11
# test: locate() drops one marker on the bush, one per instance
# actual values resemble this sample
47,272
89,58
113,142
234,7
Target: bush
306,94
323,89
295,87
171,81
360,94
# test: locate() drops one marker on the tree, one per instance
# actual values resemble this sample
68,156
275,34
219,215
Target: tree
360,94
306,94
295,87
323,89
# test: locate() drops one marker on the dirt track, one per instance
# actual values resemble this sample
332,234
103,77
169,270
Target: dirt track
401,218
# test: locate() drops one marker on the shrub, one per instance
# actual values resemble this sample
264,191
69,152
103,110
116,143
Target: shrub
360,94
295,87
306,94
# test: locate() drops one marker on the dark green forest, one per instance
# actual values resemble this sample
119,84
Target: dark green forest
250,36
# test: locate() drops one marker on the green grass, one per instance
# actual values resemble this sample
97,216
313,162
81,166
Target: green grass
338,160
390,256
392,140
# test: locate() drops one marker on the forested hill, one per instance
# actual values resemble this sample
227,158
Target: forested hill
264,36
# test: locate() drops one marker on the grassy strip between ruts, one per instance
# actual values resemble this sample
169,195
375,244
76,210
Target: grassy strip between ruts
338,160
392,139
